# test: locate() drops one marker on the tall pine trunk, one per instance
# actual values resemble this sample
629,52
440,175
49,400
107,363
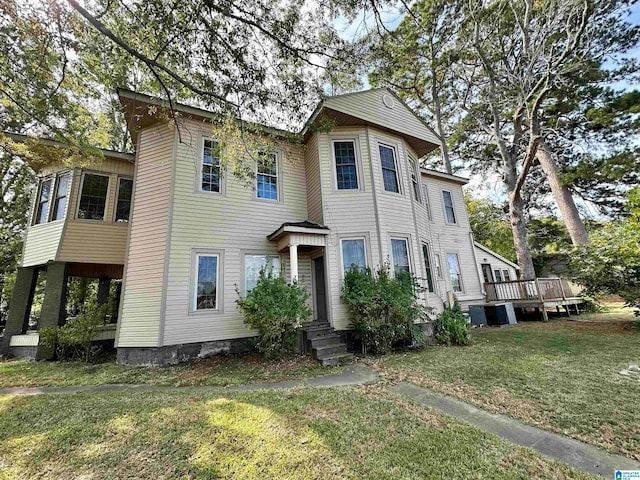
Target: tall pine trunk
562,194
519,231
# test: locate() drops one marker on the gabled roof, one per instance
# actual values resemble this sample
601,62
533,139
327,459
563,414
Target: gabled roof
496,255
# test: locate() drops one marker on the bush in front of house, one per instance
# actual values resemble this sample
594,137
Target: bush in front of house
275,309
451,327
383,309
73,340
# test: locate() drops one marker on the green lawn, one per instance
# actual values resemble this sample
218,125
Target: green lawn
218,371
562,376
341,433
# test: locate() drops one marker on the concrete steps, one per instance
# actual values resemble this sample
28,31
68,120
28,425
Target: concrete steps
324,344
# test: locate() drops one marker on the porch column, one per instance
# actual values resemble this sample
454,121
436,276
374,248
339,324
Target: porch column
104,285
20,305
293,259
55,296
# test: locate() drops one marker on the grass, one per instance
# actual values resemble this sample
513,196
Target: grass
218,371
562,376
611,311
348,433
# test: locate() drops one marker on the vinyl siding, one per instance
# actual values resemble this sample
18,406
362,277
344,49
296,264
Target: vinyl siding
484,257
139,324
233,223
41,243
314,188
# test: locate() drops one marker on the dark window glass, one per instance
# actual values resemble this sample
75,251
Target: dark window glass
60,205
267,176
427,266
42,209
389,173
448,207
346,169
206,295
123,205
211,166
414,180
498,275
400,255
506,275
94,197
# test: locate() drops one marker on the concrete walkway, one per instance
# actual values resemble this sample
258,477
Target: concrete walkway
352,375
572,452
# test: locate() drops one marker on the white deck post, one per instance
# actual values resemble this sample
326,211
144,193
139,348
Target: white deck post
293,259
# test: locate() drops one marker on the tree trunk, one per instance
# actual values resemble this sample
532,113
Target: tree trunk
562,194
435,94
519,231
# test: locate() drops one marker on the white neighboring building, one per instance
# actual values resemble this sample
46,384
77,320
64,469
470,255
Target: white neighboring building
494,267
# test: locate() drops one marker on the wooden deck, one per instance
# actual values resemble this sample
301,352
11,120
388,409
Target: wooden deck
539,293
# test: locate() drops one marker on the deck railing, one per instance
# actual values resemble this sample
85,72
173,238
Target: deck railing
539,289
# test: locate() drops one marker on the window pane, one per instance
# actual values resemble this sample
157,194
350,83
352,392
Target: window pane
425,200
427,266
267,176
414,179
498,275
210,181
454,272
346,170
506,275
389,174
448,207
43,202
354,255
94,197
60,204
267,163
254,263
207,282
123,206
400,256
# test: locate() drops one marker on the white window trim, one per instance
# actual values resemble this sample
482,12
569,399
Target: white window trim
106,200
508,274
397,166
279,179
193,281
359,169
434,274
200,158
416,175
69,174
256,253
457,254
438,262
115,203
426,201
407,240
52,178
444,209
355,236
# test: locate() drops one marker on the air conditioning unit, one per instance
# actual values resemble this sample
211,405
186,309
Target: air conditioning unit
495,314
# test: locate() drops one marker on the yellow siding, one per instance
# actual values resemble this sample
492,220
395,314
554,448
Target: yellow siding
314,191
139,324
41,243
233,223
94,242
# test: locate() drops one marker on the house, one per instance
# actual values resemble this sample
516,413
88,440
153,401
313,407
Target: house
181,234
494,267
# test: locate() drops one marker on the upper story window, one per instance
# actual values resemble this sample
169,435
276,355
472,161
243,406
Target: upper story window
427,267
60,201
267,176
454,272
94,196
506,275
414,179
400,255
389,168
449,211
44,198
123,203
354,254
498,274
425,200
253,264
206,288
346,167
210,181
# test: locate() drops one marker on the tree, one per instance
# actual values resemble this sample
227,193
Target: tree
490,226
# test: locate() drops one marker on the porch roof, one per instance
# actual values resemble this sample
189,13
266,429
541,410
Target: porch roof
305,233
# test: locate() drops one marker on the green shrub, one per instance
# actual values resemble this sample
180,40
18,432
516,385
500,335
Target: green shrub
383,309
74,339
275,309
451,327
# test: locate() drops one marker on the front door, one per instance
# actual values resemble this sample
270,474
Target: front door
486,273
321,292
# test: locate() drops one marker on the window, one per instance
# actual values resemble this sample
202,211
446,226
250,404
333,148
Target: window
448,207
206,291
123,204
498,275
346,167
60,205
414,179
267,176
94,197
254,263
454,272
389,172
438,265
210,181
425,200
354,254
506,275
427,267
400,255
42,208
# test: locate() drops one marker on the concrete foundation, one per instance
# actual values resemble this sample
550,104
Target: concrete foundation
173,354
